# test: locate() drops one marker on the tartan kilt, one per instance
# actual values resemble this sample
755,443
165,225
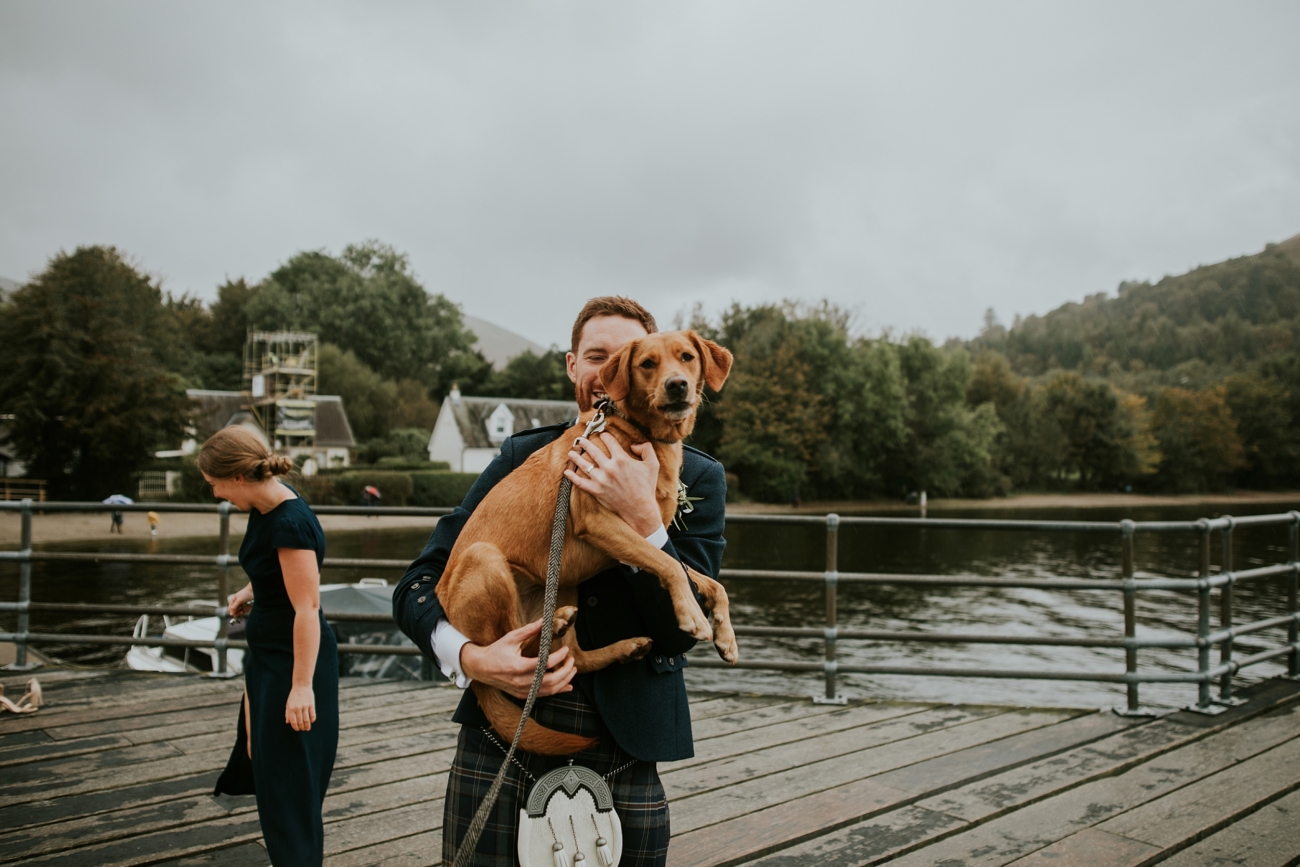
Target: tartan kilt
638,795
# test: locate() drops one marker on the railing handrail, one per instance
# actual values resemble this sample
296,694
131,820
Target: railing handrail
1129,586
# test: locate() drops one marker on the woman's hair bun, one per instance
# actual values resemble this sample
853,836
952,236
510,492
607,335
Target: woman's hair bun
279,465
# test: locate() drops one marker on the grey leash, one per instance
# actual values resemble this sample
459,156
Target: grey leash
467,845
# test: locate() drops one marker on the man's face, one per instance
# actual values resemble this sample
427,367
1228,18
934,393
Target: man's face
602,336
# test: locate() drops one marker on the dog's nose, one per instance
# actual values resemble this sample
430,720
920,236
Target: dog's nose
677,387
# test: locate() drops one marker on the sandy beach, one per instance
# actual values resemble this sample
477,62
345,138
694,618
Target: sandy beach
94,527
66,527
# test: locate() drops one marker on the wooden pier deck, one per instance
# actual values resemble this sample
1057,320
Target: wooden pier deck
118,768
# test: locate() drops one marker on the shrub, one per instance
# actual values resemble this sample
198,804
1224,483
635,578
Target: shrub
440,488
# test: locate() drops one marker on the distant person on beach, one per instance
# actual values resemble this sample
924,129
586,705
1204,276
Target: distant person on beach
288,730
115,523
153,523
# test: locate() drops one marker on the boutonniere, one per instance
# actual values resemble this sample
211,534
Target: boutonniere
685,505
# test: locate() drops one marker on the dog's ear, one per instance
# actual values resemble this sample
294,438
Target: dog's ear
616,373
716,360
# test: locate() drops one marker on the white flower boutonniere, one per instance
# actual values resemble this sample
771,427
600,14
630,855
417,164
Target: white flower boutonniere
685,505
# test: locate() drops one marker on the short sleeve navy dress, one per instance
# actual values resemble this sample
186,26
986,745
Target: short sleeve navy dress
290,770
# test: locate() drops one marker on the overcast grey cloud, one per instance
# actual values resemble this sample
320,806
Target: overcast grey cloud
915,162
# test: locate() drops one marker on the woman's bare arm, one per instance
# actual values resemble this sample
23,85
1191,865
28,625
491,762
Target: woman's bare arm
302,582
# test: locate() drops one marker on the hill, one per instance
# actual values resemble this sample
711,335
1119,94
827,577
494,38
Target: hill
1198,326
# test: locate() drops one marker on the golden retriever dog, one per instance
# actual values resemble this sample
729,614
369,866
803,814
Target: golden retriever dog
496,575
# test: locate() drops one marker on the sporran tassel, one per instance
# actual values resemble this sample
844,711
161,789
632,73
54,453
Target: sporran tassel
557,852
604,854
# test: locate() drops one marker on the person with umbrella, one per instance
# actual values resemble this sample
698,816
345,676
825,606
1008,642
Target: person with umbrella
370,496
116,518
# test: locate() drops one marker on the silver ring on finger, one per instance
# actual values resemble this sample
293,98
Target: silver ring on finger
588,468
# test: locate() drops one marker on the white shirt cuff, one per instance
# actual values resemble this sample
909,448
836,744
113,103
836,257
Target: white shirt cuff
658,538
447,642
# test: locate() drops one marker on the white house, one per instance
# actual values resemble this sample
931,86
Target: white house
469,430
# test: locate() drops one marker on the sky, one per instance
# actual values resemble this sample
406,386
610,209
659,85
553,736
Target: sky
916,163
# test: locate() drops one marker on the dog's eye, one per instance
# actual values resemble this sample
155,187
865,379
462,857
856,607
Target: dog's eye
649,364
686,356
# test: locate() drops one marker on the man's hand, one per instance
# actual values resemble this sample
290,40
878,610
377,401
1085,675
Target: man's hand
503,665
620,482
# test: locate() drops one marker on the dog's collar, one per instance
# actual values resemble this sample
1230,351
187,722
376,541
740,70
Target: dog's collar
607,406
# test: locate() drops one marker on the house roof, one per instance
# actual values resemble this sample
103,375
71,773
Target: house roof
471,414
217,409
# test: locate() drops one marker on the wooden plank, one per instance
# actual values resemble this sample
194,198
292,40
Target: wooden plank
763,830
869,842
1090,848
977,762
1214,802
799,729
1073,807
877,838
1269,837
689,779
417,850
884,747
745,719
1110,755
50,750
243,855
706,708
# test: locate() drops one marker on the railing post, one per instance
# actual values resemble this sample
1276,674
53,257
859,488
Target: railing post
1225,617
832,578
1127,529
24,588
1293,585
223,583
1204,704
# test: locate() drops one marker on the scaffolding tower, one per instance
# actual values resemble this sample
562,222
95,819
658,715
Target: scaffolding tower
280,382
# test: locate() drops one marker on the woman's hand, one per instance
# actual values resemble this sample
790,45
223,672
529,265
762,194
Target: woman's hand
300,711
241,602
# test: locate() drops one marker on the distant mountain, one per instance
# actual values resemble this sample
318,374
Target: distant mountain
1202,324
497,344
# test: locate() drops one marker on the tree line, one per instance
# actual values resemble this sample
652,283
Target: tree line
1188,384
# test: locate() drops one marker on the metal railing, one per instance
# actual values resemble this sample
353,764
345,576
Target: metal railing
1205,639
22,637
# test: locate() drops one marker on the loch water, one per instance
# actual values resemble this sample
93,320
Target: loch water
925,551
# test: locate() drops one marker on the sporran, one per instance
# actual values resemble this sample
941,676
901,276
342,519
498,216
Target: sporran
569,821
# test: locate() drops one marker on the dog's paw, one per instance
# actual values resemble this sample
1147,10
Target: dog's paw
727,649
632,648
696,627
563,619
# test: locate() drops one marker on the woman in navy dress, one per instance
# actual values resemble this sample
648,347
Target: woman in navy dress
289,723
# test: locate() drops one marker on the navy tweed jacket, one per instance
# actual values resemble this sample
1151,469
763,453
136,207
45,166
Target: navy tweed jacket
642,703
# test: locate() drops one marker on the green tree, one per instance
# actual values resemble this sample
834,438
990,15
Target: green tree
1104,436
365,301
948,445
532,376
82,374
368,398
1198,438
1265,410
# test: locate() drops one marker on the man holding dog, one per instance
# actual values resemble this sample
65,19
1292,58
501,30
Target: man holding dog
637,711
